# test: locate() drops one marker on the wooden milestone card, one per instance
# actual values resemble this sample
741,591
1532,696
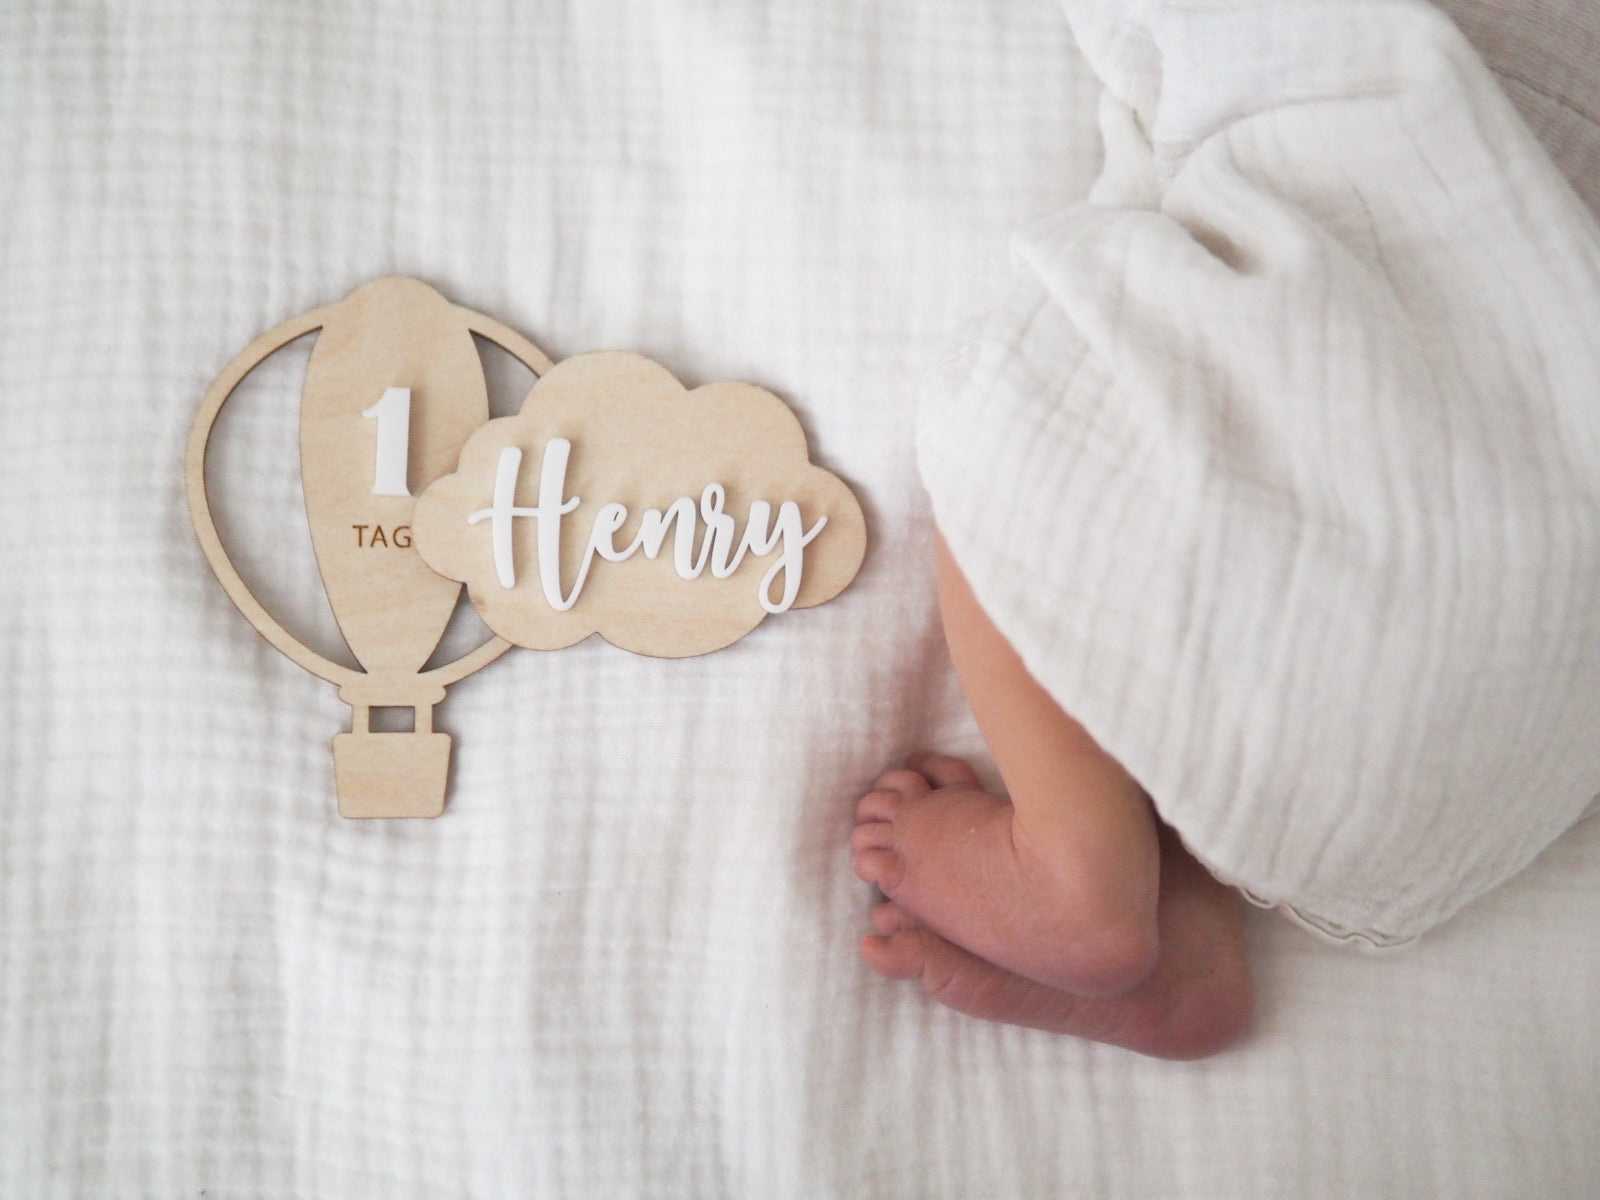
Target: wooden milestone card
671,522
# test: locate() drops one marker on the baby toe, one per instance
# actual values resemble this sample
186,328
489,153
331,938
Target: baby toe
889,918
897,955
879,866
872,835
944,770
880,805
908,783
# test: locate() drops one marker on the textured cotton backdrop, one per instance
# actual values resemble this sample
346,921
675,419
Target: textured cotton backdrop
623,964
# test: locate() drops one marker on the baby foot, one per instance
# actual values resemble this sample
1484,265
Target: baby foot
955,861
1196,1002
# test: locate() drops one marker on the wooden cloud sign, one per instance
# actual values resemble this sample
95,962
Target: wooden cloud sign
617,502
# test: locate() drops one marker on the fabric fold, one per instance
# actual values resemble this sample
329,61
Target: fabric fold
1281,464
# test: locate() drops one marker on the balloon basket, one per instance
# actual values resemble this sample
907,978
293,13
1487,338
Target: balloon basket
391,774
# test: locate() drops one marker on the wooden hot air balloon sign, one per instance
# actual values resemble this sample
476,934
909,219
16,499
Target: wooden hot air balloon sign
671,522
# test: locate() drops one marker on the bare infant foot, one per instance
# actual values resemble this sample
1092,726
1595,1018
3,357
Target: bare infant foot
976,916
1196,1001
959,862
1068,907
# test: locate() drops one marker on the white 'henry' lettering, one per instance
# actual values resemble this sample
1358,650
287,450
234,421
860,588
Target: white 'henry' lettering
763,533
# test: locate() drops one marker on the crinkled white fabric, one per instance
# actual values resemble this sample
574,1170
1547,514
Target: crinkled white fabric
1298,423
623,963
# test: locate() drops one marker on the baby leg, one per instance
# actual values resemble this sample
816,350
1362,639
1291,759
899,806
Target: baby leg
1060,883
1052,896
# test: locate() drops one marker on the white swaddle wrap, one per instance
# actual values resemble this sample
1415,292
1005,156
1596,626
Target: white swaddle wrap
1281,464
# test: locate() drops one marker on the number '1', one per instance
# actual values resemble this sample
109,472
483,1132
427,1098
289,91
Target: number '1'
394,442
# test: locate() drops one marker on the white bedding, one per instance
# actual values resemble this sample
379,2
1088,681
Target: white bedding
623,963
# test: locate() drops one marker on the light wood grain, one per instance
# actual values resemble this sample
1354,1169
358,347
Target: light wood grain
390,607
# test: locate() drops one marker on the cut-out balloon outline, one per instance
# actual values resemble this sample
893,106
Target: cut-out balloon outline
275,339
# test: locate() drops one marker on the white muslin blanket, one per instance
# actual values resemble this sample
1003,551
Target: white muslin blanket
1281,463
1278,464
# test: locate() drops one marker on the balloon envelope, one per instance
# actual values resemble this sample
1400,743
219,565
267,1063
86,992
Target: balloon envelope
366,450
